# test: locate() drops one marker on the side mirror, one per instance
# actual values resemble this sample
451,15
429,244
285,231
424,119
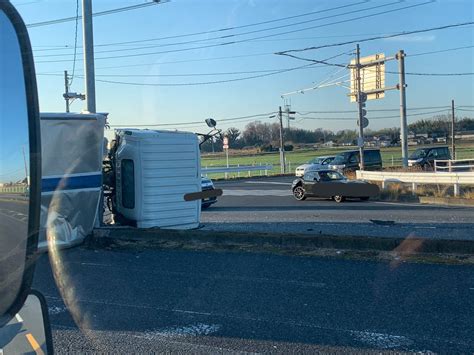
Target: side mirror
29,331
20,163
211,123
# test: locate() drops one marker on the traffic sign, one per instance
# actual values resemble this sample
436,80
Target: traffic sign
365,122
225,143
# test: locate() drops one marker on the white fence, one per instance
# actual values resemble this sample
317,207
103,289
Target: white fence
423,178
454,165
236,169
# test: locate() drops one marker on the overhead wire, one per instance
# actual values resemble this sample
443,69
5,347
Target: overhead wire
373,118
225,37
260,115
216,81
96,14
404,33
246,40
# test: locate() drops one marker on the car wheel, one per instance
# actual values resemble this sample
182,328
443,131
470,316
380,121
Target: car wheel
299,193
207,205
339,198
365,198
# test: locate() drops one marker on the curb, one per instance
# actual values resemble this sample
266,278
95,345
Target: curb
447,201
149,238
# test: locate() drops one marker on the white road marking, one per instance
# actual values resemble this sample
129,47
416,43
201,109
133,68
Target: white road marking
95,264
183,331
381,340
399,204
269,183
18,318
257,193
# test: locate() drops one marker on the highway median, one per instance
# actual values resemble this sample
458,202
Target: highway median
410,248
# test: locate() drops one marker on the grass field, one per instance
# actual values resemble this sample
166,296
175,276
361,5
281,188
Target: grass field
391,156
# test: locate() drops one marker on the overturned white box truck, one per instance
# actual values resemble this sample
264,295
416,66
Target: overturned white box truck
150,173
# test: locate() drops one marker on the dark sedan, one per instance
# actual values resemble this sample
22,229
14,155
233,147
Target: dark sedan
331,184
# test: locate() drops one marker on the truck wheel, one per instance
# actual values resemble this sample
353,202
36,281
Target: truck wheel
299,193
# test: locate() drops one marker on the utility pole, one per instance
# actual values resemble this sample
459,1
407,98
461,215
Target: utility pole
360,108
66,90
88,44
282,145
453,120
403,107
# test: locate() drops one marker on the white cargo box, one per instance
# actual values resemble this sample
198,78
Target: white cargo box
154,170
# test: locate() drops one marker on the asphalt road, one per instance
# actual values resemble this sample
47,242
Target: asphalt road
266,205
208,302
13,234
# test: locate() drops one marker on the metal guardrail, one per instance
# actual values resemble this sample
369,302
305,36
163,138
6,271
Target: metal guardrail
423,178
13,189
454,165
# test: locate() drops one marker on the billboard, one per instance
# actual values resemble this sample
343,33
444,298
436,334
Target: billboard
372,77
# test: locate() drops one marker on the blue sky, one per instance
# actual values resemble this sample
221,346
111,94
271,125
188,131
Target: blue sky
132,105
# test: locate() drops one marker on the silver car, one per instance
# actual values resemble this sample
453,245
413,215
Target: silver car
314,164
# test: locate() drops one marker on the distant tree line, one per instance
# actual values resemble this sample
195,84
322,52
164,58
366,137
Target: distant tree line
266,136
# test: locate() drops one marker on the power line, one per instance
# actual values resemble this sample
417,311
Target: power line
239,27
405,33
217,81
231,57
372,118
261,115
246,40
379,110
101,13
227,37
204,82
268,114
440,51
180,61
187,74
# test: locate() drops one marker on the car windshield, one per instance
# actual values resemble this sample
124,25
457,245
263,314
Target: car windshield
330,176
316,161
176,212
341,158
419,153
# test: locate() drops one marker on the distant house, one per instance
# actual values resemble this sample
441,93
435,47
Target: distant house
329,144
